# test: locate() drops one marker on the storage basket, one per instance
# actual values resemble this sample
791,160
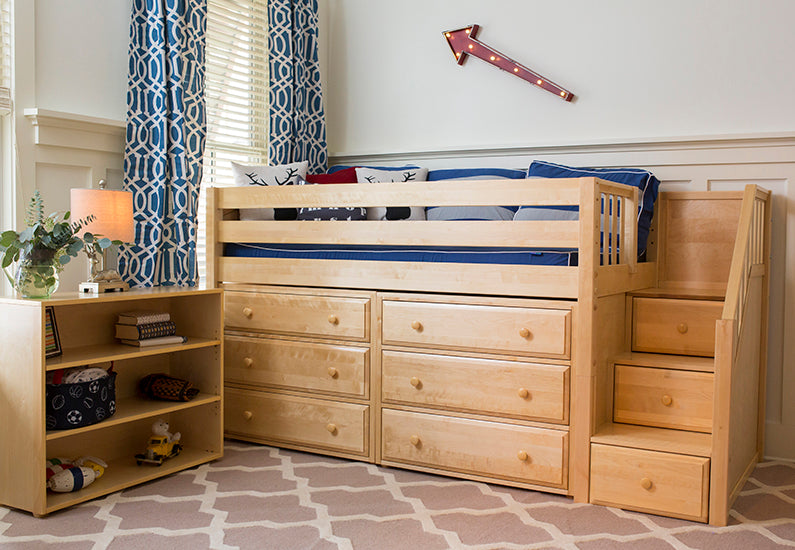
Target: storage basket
80,404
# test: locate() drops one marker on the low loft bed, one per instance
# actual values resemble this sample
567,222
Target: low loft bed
504,372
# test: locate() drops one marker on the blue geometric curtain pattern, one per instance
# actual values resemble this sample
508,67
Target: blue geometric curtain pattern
165,140
297,122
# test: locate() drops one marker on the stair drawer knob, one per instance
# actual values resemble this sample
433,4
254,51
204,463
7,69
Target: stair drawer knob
415,381
667,400
332,372
523,456
523,393
682,328
332,428
524,332
416,325
646,483
415,440
248,415
248,361
333,319
248,312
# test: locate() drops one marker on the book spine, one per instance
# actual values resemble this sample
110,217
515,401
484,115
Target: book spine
144,319
162,340
144,332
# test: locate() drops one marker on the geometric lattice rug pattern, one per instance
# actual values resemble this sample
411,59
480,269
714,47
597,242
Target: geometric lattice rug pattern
259,498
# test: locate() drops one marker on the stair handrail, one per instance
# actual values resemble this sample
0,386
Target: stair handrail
750,252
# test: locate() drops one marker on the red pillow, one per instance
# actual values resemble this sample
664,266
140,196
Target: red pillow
347,175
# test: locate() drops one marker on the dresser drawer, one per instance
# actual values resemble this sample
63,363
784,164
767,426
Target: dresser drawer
519,453
342,370
685,327
315,423
528,390
526,331
650,481
663,398
323,316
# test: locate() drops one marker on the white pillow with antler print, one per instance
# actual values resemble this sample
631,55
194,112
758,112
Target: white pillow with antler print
370,175
280,174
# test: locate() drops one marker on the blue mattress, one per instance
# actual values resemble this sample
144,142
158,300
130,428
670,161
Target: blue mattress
469,255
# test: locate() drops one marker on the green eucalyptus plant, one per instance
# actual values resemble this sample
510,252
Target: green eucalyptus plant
50,241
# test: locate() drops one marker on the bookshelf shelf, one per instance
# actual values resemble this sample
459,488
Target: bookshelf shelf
86,329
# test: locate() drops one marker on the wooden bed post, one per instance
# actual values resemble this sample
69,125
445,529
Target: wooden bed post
211,242
582,401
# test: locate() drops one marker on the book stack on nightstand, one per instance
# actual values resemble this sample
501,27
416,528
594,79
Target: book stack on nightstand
144,328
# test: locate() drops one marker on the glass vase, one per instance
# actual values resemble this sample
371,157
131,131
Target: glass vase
36,277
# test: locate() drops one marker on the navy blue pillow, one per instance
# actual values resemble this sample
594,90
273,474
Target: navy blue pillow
458,173
636,177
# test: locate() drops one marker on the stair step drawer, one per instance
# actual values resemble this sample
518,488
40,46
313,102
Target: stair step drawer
316,423
520,330
299,365
650,481
492,449
663,398
664,325
322,316
533,391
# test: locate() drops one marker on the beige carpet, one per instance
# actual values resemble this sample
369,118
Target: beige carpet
264,498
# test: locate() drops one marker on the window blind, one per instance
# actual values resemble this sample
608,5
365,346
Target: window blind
236,91
5,57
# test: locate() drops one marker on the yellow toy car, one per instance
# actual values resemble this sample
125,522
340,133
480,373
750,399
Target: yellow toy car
158,450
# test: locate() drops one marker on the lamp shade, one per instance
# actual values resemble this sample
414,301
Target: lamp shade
112,211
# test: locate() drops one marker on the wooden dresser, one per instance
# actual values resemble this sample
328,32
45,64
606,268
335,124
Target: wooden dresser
298,369
409,380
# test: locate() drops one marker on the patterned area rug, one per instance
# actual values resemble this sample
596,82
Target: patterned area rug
264,498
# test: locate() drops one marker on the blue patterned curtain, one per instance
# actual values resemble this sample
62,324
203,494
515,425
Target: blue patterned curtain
297,122
165,140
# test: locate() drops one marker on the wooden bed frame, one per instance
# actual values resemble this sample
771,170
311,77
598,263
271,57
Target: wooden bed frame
558,371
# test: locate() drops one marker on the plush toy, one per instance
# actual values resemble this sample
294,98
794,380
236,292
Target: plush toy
64,476
160,427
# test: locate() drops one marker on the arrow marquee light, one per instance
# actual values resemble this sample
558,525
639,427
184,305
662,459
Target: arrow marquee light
463,43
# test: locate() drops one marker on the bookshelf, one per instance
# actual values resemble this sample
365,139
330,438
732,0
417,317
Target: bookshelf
86,330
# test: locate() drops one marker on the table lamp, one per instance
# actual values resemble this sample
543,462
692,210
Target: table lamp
113,219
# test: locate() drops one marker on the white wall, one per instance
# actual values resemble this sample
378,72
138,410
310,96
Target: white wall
81,56
638,69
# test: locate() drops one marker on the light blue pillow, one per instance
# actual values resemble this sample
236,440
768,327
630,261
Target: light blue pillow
636,177
472,212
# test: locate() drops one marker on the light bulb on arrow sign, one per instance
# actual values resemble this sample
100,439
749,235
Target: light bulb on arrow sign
463,43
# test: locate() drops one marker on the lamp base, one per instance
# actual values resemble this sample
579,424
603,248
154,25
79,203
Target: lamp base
104,286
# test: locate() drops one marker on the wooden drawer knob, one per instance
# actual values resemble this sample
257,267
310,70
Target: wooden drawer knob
524,332
333,319
523,393
416,325
415,381
248,415
332,428
667,400
415,440
332,372
248,312
646,483
682,328
522,455
248,361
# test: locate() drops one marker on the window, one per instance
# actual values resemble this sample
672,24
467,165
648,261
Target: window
7,191
236,83
5,57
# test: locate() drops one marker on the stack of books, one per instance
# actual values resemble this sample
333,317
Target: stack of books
147,328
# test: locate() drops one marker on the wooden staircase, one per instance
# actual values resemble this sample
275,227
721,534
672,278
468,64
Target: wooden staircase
687,398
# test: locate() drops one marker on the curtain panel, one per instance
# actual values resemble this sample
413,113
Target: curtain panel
297,120
165,140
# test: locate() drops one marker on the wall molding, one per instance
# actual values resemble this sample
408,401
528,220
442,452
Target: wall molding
73,131
734,149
